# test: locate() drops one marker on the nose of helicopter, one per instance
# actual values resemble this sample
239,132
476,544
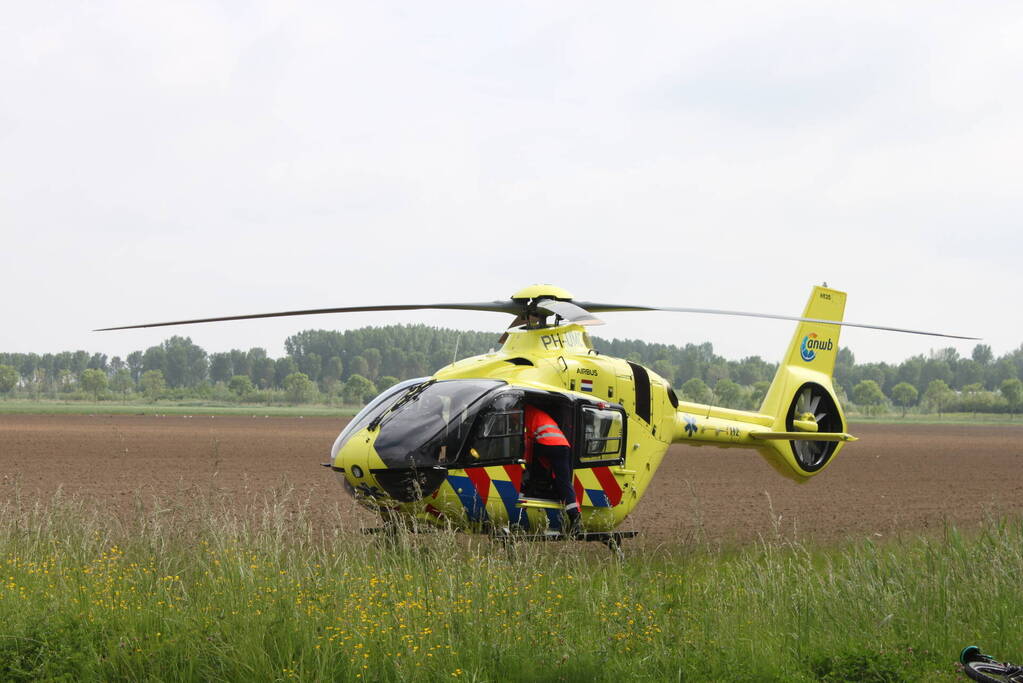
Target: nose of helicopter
350,460
371,479
401,445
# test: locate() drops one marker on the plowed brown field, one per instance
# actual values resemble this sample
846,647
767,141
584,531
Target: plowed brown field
897,479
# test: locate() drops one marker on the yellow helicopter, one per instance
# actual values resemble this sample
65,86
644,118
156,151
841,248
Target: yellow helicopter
448,450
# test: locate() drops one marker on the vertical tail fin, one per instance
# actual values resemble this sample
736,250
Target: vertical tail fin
802,396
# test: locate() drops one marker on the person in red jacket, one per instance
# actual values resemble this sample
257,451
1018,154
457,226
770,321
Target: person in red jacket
547,448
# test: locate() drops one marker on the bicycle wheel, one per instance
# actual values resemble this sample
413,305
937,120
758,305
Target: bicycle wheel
989,671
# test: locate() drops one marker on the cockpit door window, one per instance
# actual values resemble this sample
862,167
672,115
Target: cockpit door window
601,436
502,424
497,438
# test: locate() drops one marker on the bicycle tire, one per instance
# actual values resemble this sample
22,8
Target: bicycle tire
992,672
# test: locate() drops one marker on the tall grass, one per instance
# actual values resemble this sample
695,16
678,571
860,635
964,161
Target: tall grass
210,591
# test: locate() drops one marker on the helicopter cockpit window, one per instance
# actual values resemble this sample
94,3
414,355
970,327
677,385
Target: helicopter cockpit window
498,436
373,410
427,427
603,435
502,425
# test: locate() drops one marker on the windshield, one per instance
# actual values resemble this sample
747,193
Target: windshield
429,428
372,411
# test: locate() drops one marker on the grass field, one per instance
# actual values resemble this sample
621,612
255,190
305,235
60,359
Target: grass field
208,591
47,407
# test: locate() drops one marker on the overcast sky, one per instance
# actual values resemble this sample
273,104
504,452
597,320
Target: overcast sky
183,159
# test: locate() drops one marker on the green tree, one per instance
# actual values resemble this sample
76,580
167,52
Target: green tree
65,379
904,395
753,369
121,381
152,384
935,369
8,378
386,382
696,390
868,395
975,399
373,359
729,394
666,369
155,358
282,368
982,354
358,390
416,364
968,371
262,369
716,372
220,367
94,381
79,362
358,366
1012,390
1001,370
938,395
312,365
758,392
299,388
910,371
845,367
240,364
28,367
330,377
241,385
134,361
394,362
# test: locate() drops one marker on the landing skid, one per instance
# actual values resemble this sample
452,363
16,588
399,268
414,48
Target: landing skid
395,523
392,530
612,539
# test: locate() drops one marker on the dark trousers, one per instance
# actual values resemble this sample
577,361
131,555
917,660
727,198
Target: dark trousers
560,460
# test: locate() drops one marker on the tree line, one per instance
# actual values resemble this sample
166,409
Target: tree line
353,365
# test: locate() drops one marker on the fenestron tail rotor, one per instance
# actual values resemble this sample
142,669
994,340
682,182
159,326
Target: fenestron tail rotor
813,410
807,404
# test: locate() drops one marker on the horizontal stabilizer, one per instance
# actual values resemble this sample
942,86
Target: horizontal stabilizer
803,436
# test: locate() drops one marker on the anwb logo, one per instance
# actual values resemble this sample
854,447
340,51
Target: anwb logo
811,344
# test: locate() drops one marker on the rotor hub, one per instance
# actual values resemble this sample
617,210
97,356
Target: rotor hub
534,292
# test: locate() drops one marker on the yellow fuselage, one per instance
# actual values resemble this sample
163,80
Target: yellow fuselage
561,360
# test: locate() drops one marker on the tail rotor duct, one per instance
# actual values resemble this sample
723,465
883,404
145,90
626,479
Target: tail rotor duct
811,397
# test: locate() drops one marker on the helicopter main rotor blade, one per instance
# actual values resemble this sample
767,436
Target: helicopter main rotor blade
580,312
489,306
567,310
615,308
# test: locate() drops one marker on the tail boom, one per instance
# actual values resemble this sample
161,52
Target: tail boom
800,426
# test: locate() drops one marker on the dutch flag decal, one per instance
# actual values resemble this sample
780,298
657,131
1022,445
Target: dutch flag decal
586,385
